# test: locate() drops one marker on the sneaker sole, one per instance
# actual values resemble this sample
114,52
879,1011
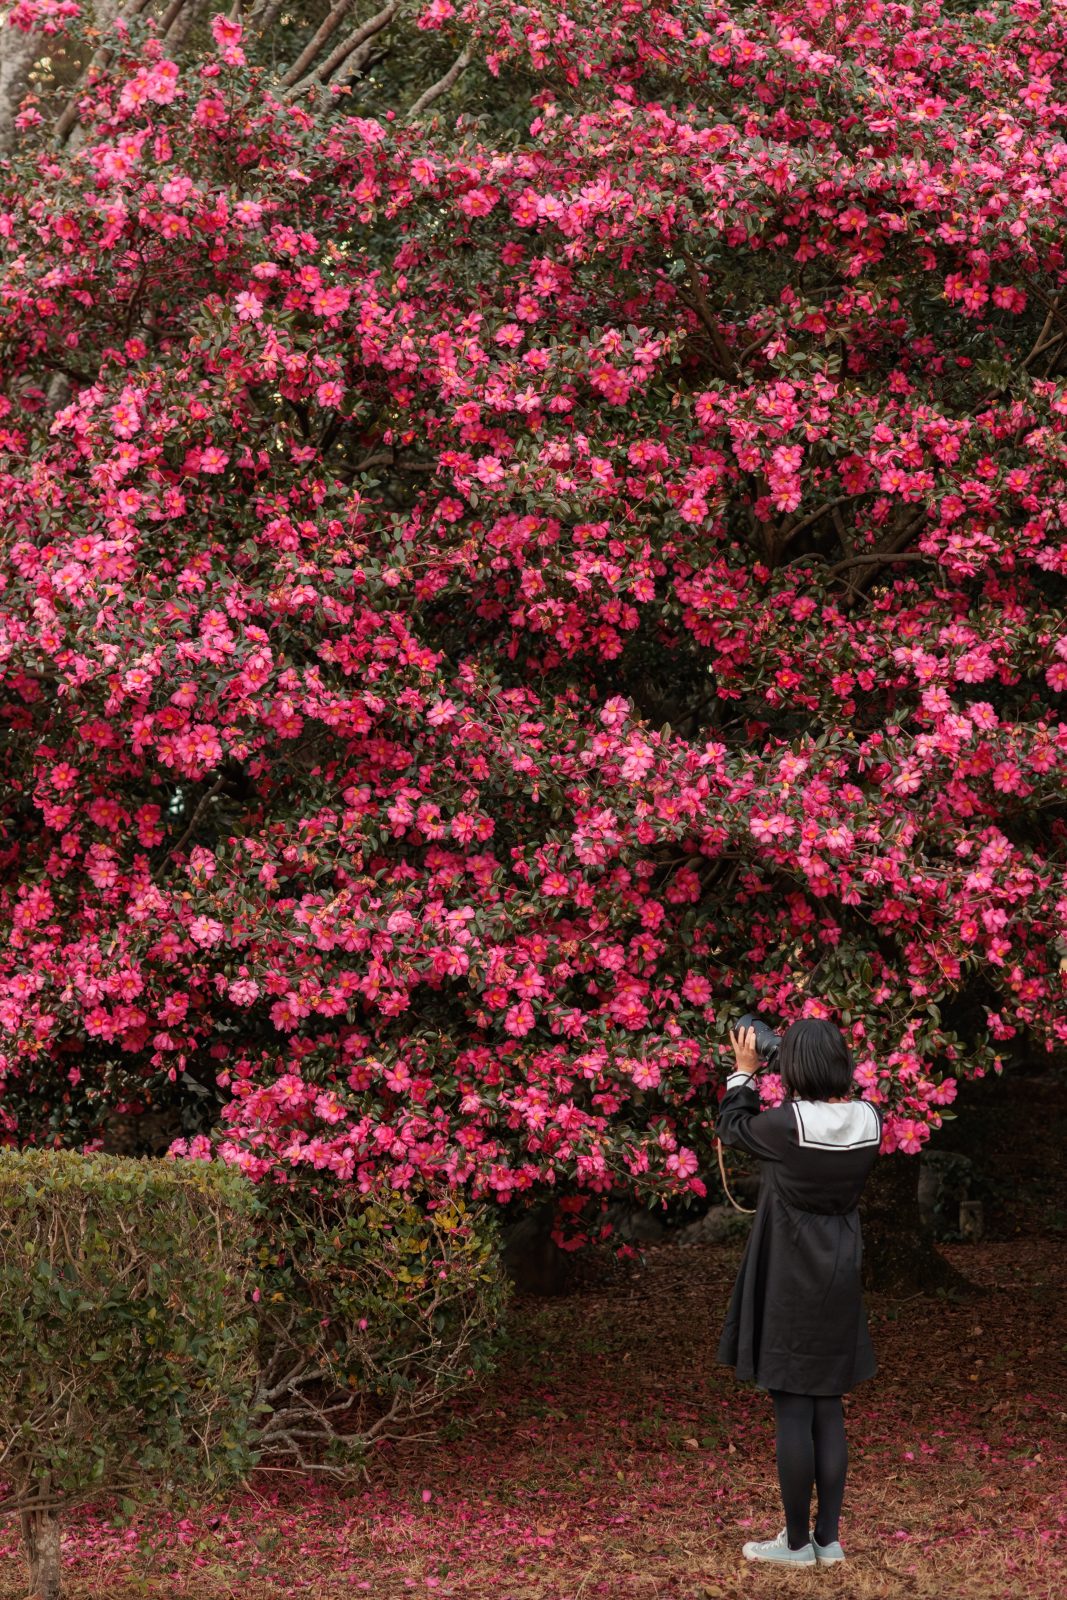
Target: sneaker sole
776,1561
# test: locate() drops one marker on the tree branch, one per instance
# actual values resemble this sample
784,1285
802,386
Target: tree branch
263,16
442,86
703,309
353,41
1039,342
311,50
170,17
878,558
216,788
814,516
893,550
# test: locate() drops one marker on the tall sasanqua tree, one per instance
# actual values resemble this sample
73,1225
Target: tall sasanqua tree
499,593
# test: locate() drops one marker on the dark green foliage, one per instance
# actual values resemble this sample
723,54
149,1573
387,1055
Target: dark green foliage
126,1340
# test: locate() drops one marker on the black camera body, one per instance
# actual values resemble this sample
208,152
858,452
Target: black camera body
767,1041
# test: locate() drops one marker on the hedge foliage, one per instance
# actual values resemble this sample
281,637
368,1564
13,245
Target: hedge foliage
126,1339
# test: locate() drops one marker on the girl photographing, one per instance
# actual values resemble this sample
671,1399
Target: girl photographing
796,1324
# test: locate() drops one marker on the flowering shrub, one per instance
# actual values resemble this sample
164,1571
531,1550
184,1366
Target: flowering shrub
475,614
125,1339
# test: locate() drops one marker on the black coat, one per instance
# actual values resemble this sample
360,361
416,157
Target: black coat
796,1319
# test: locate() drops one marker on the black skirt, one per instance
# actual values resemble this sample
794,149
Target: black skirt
796,1319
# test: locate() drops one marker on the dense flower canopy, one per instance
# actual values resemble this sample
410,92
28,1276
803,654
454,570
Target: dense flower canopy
484,609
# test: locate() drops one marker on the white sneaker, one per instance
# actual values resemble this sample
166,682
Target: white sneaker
778,1550
827,1554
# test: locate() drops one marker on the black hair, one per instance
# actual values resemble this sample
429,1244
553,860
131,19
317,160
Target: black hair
814,1060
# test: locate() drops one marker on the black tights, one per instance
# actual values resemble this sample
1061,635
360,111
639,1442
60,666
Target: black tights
811,1451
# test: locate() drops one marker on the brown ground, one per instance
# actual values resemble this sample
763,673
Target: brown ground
613,1459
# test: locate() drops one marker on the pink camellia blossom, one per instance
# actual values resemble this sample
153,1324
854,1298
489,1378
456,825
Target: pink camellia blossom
289,1090
519,1019
243,991
489,470
436,14
697,989
248,306
645,1074
905,1134
682,1163
332,301
210,112
225,30
774,826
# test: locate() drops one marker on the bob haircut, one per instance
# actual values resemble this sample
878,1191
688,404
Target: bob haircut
814,1060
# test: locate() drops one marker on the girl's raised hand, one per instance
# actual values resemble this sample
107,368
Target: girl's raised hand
744,1045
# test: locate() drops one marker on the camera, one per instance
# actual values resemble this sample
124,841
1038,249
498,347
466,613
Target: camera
767,1041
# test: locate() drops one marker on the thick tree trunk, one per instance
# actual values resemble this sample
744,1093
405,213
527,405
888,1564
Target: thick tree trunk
40,1535
530,1257
899,1253
184,22
18,52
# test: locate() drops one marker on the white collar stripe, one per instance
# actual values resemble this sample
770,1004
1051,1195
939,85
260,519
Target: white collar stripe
848,1126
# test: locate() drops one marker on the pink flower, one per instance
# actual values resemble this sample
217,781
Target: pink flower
436,14
519,1019
329,1107
905,1134
225,31
682,1163
332,301
645,1074
248,306
1008,778
289,1091
489,470
767,829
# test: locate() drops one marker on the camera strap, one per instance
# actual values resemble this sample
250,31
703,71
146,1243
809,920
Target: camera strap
747,1210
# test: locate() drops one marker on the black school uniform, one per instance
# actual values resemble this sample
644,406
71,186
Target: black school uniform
796,1319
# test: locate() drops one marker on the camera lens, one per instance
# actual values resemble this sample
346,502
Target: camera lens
767,1041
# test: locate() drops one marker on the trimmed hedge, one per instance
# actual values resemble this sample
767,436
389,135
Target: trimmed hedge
127,1340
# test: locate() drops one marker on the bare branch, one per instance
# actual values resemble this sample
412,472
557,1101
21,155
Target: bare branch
353,65
170,17
842,532
896,546
703,309
264,15
310,51
216,788
442,86
359,38
877,557
806,522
